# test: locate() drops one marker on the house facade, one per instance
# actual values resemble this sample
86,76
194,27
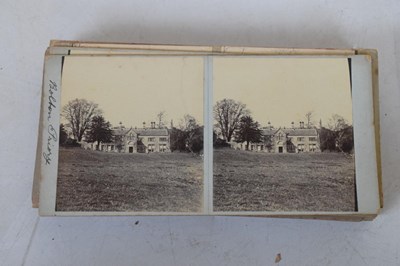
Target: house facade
135,140
285,140
153,140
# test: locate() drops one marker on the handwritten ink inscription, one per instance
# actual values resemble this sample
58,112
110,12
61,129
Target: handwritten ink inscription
52,135
51,140
52,100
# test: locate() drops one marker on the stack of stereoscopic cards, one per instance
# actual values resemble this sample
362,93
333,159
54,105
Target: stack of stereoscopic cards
138,129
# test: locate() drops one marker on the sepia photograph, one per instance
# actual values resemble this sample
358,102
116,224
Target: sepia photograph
283,135
131,134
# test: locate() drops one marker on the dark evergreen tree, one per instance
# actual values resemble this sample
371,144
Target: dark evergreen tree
99,131
177,139
327,139
63,135
248,131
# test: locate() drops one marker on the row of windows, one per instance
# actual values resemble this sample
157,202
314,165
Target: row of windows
281,137
252,147
257,147
300,147
312,147
152,148
163,147
106,147
152,139
310,138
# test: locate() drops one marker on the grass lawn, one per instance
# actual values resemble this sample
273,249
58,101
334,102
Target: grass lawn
250,181
99,181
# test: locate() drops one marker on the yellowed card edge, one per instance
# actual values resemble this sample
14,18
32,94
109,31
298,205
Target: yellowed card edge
234,50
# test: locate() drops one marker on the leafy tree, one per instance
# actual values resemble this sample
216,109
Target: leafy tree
194,140
342,133
327,139
177,139
99,131
228,113
248,131
346,143
63,135
193,134
79,113
188,137
338,136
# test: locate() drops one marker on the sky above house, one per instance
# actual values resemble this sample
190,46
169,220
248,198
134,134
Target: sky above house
134,89
282,90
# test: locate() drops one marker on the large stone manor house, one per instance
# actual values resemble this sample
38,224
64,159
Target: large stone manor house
135,140
285,140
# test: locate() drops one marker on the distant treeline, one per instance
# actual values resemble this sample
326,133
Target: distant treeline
234,121
85,121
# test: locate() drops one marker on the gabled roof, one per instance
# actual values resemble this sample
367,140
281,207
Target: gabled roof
301,131
290,131
269,131
151,131
121,131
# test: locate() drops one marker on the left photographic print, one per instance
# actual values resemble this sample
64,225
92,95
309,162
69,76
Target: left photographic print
131,134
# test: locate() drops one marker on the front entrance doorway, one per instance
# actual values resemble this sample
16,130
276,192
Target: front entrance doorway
280,149
130,149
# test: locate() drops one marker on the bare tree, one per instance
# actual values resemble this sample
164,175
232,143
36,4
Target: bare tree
337,123
188,123
79,113
309,116
161,119
228,113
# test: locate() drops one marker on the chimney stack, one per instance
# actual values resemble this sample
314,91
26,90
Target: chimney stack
269,125
301,124
153,124
144,124
293,125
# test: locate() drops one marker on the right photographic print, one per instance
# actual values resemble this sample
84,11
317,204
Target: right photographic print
283,135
